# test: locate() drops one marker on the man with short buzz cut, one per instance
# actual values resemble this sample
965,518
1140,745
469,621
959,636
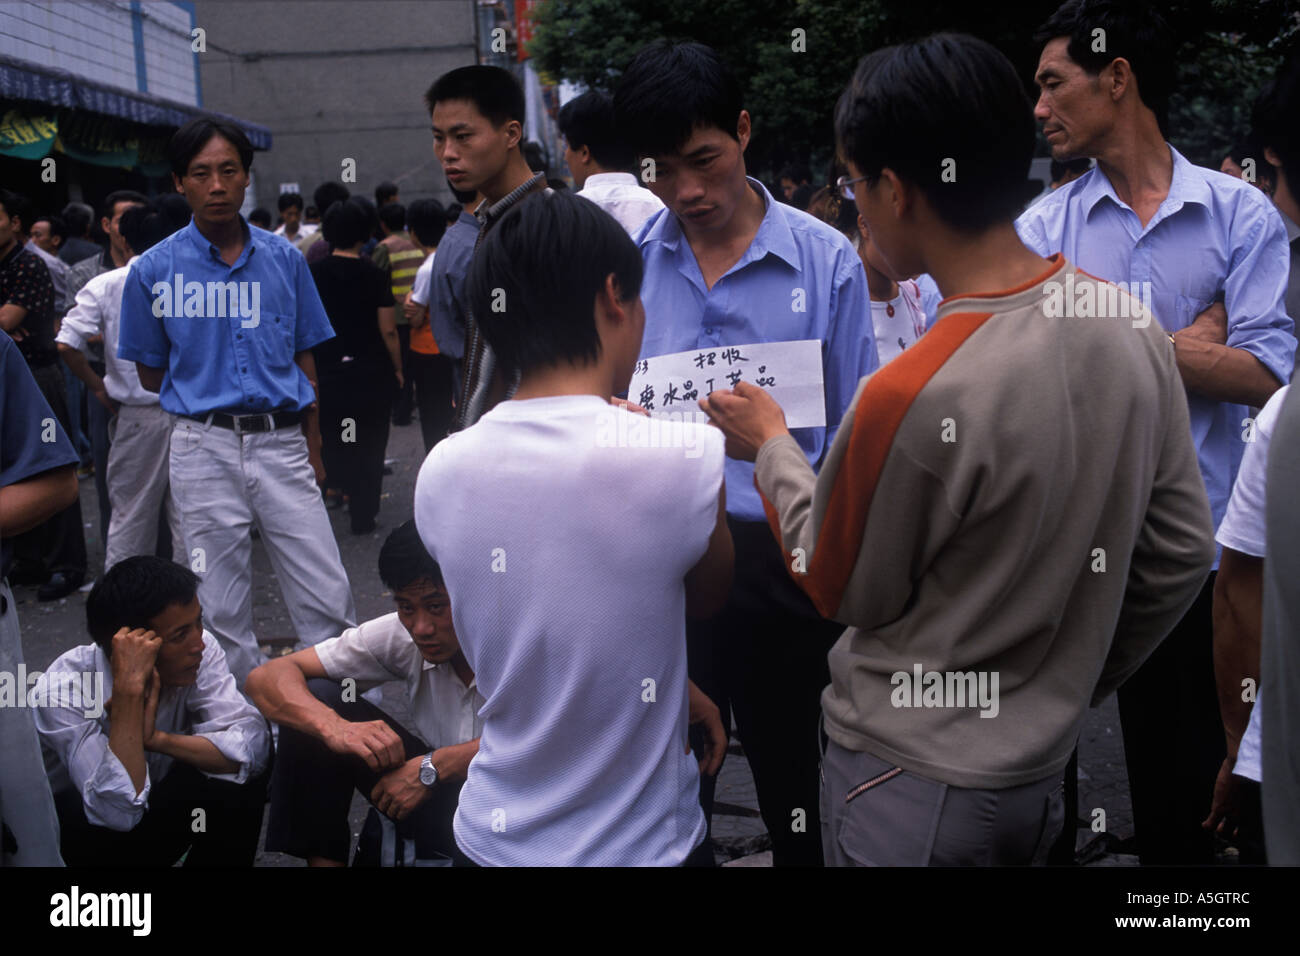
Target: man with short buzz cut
332,741
727,266
144,725
600,161
220,320
1208,254
477,115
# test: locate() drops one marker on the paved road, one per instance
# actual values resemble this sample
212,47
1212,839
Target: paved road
50,629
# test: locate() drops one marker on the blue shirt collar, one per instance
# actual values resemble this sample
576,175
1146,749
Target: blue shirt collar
773,236
1186,185
210,253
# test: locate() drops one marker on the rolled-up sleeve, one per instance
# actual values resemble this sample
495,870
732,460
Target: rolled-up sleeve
222,715
83,320
81,743
1255,290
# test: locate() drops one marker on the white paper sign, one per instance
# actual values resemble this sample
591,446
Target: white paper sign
791,372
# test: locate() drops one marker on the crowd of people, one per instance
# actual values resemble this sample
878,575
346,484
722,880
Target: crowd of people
1052,456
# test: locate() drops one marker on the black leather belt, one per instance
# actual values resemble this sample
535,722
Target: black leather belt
241,424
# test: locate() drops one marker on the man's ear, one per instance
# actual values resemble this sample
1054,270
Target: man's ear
744,129
176,181
104,223
1116,78
1270,154
514,133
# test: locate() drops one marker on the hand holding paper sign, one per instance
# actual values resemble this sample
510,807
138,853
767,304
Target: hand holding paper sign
747,415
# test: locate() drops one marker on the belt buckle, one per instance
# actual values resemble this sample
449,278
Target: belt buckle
242,430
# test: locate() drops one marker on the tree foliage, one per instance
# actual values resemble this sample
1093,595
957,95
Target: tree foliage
1228,49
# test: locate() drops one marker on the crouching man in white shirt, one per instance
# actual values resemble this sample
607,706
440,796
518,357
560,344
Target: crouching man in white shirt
151,751
332,741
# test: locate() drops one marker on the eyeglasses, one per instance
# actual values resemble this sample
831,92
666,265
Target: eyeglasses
845,185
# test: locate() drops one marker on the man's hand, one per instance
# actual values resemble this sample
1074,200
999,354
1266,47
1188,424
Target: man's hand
314,455
372,740
401,381
1210,326
705,711
747,415
400,791
1223,818
629,406
411,310
134,652
101,396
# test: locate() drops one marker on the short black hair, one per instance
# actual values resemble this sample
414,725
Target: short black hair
260,217
588,120
16,206
311,212
393,215
535,156
1275,120
427,221
189,140
403,559
77,217
670,90
175,212
946,104
118,196
1134,30
345,224
372,215
145,226
288,201
494,92
384,192
797,173
453,210
802,196
328,193
549,256
133,592
57,226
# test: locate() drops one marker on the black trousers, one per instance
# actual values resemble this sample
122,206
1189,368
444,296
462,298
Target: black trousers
59,543
433,389
356,466
762,660
232,822
311,791
1173,741
405,396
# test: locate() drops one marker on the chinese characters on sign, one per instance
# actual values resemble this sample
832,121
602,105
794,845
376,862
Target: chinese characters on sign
790,371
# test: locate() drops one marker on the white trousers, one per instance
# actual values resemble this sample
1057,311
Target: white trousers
139,484
222,483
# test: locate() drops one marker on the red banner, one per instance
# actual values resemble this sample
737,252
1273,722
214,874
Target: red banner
524,10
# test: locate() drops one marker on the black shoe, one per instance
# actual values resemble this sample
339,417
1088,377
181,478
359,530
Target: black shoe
365,528
58,586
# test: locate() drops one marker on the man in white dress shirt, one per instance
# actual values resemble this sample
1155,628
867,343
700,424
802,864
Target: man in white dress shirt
150,750
599,161
333,741
138,475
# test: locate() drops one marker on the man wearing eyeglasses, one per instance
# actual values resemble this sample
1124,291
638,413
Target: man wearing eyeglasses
726,265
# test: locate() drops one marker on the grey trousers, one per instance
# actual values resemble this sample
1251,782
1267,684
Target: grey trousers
876,814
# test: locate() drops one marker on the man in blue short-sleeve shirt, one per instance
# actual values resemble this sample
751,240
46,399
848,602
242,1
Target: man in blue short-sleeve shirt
220,318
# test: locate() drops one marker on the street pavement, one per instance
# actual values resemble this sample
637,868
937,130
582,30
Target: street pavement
49,629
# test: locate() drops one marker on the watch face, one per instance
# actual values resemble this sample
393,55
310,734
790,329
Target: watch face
428,773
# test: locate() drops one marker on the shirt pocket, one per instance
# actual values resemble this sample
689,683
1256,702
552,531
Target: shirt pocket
273,341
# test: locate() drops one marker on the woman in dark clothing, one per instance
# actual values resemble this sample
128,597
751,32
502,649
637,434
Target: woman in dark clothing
360,368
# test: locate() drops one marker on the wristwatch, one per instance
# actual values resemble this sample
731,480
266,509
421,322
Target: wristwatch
428,772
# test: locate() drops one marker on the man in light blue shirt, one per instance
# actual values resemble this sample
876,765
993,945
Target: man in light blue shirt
726,265
220,318
1208,255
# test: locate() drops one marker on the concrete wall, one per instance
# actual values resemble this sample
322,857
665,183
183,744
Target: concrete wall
335,81
96,39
